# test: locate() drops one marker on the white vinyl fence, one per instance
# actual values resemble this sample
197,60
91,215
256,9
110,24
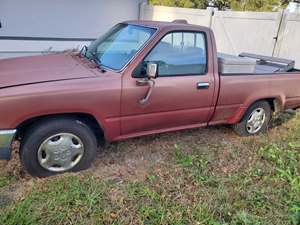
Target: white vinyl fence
238,32
288,44
268,33
161,13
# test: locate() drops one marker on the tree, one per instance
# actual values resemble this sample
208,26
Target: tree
240,5
181,3
257,5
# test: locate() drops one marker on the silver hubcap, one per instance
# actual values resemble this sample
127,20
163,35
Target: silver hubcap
60,152
256,120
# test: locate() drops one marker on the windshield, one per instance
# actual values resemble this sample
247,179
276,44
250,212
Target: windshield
116,48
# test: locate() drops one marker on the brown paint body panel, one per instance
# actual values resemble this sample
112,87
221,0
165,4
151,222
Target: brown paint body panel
35,69
237,93
56,84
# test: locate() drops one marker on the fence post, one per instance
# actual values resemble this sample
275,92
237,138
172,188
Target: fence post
142,8
211,13
279,34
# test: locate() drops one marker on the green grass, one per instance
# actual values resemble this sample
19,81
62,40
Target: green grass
243,182
5,181
65,200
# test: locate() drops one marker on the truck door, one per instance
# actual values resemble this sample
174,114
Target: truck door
184,87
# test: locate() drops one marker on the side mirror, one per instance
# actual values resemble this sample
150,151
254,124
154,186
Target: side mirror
151,74
151,70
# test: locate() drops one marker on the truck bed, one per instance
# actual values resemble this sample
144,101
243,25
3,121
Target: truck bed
239,91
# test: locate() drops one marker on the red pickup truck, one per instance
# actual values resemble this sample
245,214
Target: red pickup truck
140,78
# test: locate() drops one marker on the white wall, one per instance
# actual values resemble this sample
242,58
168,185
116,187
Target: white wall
73,22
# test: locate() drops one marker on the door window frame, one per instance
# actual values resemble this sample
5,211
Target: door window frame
178,75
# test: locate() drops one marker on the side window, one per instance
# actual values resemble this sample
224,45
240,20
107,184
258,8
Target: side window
180,53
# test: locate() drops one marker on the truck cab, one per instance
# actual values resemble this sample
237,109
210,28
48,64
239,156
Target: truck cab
185,82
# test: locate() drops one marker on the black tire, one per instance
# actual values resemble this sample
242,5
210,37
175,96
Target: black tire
241,127
39,132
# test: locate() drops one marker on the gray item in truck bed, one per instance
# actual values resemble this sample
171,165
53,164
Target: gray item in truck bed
266,69
269,63
235,64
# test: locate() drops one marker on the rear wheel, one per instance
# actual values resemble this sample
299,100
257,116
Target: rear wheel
56,146
256,120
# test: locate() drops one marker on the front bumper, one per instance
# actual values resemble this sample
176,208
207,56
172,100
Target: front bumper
6,138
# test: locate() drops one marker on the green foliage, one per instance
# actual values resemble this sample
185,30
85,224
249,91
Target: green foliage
257,5
181,3
285,161
183,159
239,5
5,181
67,200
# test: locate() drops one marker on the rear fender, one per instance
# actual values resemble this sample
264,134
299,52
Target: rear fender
277,104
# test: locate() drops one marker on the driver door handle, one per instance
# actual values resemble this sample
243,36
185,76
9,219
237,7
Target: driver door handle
202,85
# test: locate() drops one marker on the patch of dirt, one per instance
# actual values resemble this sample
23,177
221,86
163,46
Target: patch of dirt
22,182
135,159
15,192
13,167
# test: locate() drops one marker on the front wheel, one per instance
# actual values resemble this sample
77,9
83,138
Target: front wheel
56,146
255,121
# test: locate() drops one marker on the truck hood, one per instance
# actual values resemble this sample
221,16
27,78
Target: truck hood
39,69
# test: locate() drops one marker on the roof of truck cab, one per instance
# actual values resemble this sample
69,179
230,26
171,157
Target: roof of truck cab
162,25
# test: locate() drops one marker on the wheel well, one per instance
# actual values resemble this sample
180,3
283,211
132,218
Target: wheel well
275,104
88,119
271,103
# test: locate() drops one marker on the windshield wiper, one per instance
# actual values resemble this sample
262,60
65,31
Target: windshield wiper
93,59
83,50
97,61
